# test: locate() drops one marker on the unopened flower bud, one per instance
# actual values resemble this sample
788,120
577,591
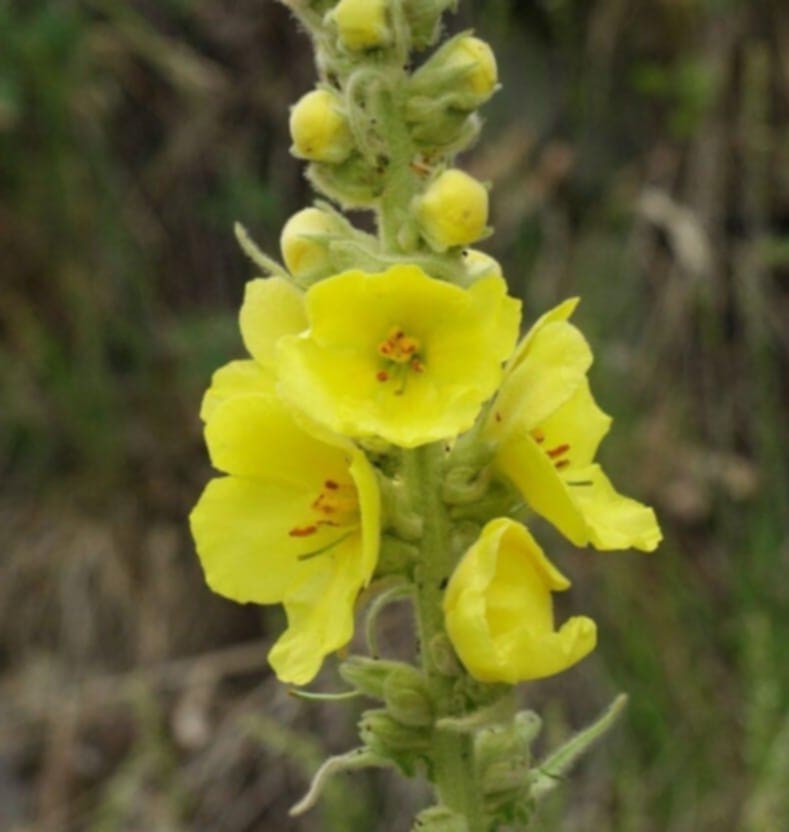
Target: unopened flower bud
462,74
362,24
435,128
475,59
407,697
388,738
304,244
453,211
369,675
423,18
502,760
319,128
440,819
353,184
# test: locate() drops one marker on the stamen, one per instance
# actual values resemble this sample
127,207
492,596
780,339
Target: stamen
331,485
579,482
558,451
538,435
326,548
302,531
382,375
562,463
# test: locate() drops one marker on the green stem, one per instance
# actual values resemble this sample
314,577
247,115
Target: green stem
452,754
401,181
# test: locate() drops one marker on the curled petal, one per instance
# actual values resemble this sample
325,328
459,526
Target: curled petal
499,610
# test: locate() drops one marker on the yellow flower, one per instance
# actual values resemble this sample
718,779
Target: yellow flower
499,610
319,128
362,23
398,355
296,521
548,428
453,211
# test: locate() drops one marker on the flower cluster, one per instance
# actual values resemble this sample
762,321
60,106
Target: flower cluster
391,361
391,430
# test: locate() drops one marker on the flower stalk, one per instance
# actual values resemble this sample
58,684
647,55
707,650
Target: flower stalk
388,428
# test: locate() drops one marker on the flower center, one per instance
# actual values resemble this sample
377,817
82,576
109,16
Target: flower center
401,355
336,506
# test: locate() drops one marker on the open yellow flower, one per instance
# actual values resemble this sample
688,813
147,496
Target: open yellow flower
499,610
296,521
548,428
398,354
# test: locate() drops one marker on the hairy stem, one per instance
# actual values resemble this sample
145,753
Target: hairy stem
452,754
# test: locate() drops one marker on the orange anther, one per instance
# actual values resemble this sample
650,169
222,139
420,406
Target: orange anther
303,531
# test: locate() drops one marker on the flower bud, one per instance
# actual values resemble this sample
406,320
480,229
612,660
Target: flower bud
407,697
387,738
423,18
461,75
369,675
304,243
378,728
475,59
502,761
440,129
453,211
319,128
362,24
353,184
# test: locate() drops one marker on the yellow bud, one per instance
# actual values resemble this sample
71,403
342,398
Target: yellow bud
453,211
304,254
362,24
471,52
319,128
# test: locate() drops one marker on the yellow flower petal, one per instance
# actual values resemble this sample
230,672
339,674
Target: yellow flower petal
548,427
499,611
547,375
241,529
235,379
447,343
296,522
579,423
561,312
614,521
272,308
525,463
320,614
256,435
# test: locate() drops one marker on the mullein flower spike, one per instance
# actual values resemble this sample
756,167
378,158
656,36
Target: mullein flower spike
380,440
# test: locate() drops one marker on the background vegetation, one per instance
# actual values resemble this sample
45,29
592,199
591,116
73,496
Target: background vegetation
640,155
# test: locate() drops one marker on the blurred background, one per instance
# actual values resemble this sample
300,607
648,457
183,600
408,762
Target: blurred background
639,151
